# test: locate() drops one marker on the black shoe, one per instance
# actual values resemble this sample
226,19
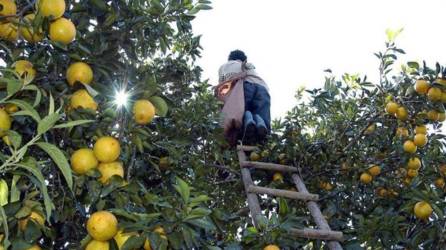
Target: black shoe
261,129
250,127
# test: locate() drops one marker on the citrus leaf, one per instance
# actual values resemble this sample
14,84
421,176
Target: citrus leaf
73,123
47,123
183,189
38,93
51,108
15,138
202,223
90,90
49,206
13,86
61,161
26,108
160,104
15,193
4,192
4,220
134,242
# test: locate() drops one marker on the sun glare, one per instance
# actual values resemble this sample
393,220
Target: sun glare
121,98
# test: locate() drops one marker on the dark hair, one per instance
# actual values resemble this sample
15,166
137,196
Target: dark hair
237,55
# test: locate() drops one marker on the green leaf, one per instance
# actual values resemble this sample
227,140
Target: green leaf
198,213
203,7
73,123
283,206
134,242
51,108
15,138
38,93
4,220
160,104
198,200
4,192
202,223
15,192
26,108
413,65
90,90
47,123
61,161
13,86
100,4
49,206
183,189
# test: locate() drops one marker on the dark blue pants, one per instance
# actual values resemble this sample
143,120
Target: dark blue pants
258,101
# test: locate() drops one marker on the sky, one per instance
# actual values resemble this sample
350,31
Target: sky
292,42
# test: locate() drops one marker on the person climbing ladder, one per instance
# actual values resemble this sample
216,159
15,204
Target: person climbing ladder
247,100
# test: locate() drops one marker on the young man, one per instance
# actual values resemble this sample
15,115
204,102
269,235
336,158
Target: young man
257,119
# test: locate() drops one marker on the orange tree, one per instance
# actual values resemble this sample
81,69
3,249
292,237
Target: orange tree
90,157
375,152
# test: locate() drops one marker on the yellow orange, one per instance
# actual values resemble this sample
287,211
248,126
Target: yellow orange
414,163
422,210
432,115
62,30
24,69
107,149
5,122
254,156
410,147
110,169
11,108
392,107
102,226
271,247
374,170
82,99
51,8
443,97
421,129
402,114
83,160
366,178
9,8
402,132
439,182
420,140
277,177
28,32
98,245
143,112
79,72
9,31
434,94
422,86
412,173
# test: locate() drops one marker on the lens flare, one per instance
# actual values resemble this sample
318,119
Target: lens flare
121,98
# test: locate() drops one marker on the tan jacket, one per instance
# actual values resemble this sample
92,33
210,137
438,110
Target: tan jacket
231,68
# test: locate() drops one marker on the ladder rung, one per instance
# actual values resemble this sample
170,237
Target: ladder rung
317,234
247,148
283,193
268,166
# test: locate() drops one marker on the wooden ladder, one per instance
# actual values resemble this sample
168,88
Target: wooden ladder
322,233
